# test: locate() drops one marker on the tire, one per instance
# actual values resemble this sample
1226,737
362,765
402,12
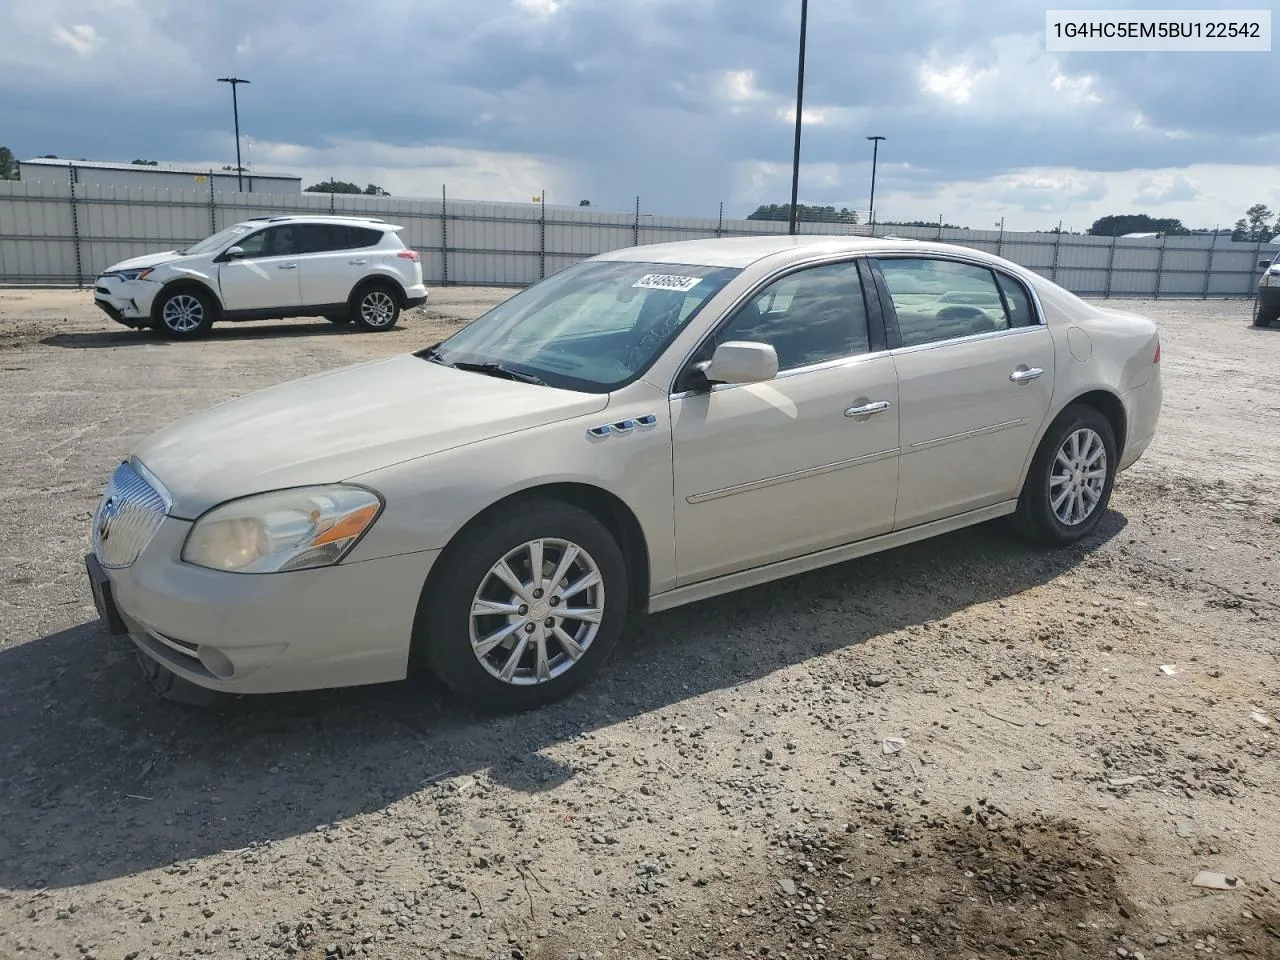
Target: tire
1263,316
167,685
1056,470
375,307
446,633
184,314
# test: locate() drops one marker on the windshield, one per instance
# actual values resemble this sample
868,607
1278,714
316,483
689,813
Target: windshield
594,326
217,241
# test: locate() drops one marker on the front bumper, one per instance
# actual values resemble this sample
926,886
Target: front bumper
124,301
270,633
1269,296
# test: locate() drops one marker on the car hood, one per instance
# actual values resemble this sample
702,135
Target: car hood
332,426
149,260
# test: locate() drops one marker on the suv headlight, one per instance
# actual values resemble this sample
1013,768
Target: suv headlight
285,530
139,274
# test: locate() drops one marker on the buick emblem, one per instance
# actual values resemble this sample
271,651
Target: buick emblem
105,516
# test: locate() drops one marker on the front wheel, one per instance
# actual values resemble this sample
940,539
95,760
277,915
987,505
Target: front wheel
184,314
1263,316
1069,483
375,308
526,608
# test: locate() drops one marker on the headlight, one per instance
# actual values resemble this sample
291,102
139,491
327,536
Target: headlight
140,274
285,530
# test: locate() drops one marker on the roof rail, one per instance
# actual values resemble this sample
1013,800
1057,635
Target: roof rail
277,218
344,216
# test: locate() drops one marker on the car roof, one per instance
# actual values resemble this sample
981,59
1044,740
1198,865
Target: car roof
373,223
743,251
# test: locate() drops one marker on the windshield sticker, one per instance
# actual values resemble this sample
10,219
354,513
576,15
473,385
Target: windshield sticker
662,281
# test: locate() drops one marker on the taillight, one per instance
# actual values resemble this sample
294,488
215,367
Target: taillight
408,255
1156,359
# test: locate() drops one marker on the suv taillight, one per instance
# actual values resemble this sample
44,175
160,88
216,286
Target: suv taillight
408,255
1156,359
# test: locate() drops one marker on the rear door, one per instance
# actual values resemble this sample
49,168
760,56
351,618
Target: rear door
975,379
327,273
266,277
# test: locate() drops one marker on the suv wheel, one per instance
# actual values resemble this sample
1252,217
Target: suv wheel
375,308
184,314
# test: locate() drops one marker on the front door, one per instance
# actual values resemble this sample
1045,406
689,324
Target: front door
808,460
975,380
267,276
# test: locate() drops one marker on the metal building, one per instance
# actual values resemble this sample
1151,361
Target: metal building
48,170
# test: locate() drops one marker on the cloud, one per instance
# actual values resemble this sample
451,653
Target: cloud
1155,190
416,170
82,38
685,102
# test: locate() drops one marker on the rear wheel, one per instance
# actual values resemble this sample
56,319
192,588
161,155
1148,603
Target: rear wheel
375,308
526,608
1069,483
184,314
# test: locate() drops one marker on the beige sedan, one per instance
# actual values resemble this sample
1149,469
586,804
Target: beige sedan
646,428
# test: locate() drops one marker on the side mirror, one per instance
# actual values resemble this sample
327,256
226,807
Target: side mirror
1264,264
740,361
232,253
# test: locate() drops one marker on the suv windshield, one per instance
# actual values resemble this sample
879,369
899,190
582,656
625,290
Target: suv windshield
216,242
594,326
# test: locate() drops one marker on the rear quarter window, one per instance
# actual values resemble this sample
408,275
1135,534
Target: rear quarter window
364,237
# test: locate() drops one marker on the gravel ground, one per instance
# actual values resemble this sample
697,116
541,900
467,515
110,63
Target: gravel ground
963,748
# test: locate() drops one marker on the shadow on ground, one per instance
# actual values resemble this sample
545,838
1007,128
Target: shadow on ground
226,332
99,779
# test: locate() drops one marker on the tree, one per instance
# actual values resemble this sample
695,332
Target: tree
8,166
804,211
145,163
1253,227
1117,225
918,223
584,203
343,186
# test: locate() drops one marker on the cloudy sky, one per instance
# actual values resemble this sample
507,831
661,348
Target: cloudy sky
685,102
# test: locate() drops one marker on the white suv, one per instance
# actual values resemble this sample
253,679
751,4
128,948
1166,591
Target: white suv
346,269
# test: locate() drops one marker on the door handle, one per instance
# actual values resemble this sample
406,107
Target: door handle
867,409
357,263
287,266
1022,375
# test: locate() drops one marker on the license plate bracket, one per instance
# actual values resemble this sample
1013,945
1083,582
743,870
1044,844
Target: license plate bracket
103,598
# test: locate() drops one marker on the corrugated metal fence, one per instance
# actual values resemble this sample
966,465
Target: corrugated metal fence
67,233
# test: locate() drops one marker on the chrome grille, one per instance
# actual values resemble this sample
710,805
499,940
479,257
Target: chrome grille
127,518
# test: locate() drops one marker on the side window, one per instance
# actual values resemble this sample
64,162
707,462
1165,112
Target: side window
941,300
253,244
362,237
1021,313
320,237
807,317
280,241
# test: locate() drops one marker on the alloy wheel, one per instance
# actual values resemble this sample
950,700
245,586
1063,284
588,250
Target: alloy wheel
183,313
537,612
377,309
1078,477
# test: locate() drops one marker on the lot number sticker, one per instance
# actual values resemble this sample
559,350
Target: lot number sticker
662,281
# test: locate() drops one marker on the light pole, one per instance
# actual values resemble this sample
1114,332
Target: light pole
875,155
795,158
235,109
